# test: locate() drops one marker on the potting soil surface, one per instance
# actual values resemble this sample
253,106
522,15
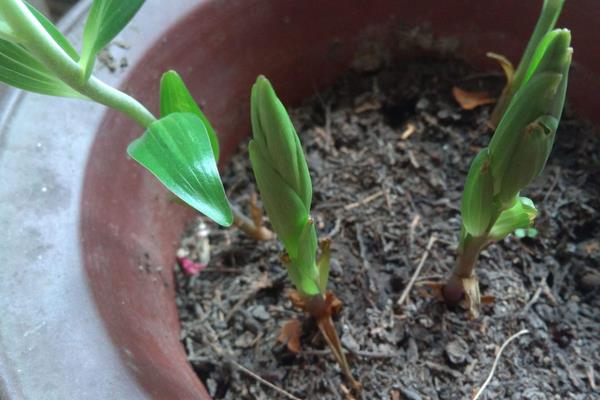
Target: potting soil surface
388,152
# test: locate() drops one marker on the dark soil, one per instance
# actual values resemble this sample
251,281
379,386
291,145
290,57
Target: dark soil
381,194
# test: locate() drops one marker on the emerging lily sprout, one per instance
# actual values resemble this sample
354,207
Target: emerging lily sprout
492,207
285,187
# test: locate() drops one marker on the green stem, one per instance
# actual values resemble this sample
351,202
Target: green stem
46,50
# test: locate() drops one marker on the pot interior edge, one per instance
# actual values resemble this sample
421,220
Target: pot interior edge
130,228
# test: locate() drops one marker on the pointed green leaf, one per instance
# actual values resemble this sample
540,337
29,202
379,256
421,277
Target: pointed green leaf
53,31
274,132
551,53
106,19
519,216
177,150
548,16
477,208
175,97
20,69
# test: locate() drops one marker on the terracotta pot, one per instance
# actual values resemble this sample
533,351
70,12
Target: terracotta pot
87,248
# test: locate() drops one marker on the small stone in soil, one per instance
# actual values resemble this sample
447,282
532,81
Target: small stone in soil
457,351
260,313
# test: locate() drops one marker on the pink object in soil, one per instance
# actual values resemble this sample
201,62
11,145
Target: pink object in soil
190,267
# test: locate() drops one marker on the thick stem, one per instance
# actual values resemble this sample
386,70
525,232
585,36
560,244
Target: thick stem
464,269
41,45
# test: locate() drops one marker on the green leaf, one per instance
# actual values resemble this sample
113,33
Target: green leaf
177,150
20,69
529,157
175,97
548,16
285,208
551,53
58,37
274,132
106,19
534,99
519,216
476,207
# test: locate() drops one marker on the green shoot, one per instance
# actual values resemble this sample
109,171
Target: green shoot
285,186
492,207
180,148
531,56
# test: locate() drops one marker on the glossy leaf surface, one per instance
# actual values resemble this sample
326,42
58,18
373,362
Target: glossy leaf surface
177,150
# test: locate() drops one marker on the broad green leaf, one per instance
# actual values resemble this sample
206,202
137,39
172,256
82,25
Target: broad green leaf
175,97
106,19
58,37
20,69
177,150
519,216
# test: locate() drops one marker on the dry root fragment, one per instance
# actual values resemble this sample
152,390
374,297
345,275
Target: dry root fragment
290,335
322,309
464,292
470,100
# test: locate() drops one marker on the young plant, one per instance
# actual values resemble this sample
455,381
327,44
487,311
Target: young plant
531,56
285,187
492,207
180,148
